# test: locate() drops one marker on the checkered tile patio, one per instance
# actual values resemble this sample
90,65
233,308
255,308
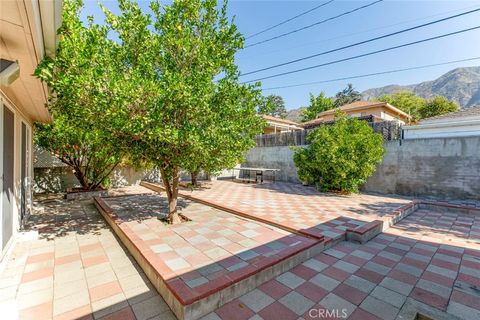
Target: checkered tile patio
77,269
430,260
300,207
202,256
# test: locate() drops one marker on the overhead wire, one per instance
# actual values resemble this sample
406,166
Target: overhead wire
365,54
313,24
363,42
289,19
372,74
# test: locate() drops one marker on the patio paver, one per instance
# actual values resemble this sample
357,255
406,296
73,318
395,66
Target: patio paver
214,256
70,265
299,208
432,258
378,294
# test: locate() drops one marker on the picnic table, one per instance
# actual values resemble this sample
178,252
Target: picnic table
259,173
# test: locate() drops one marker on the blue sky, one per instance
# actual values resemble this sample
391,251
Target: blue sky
384,17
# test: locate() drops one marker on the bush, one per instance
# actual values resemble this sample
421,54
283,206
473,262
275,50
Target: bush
341,156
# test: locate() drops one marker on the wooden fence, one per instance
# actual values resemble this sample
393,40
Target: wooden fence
390,130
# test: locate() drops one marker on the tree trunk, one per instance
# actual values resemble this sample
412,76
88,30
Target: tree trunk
171,189
194,176
81,178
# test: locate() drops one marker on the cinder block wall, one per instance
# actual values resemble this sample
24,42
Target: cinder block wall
276,158
437,167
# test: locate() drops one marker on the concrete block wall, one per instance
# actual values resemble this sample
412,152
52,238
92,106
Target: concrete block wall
438,167
446,168
275,158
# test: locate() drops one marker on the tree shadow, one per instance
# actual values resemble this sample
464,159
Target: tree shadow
421,223
144,206
54,217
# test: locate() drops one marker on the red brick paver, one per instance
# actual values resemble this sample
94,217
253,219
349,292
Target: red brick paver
379,289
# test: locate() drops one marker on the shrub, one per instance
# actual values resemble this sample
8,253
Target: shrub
341,156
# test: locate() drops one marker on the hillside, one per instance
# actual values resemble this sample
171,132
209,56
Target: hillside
461,85
294,114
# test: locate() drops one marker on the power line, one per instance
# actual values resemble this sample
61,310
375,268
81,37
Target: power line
362,42
313,24
345,35
372,74
364,55
290,19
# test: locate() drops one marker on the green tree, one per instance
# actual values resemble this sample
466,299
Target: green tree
437,106
181,60
346,96
341,156
220,146
80,91
273,105
406,101
318,104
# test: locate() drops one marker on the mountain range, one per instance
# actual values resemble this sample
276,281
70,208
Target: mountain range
461,85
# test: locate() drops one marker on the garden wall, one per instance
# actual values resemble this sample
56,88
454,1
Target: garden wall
437,167
58,179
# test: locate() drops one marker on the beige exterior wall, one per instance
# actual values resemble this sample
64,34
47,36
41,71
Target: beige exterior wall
381,112
19,118
271,129
27,34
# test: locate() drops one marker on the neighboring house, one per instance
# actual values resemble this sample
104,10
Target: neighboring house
376,110
277,125
461,123
27,34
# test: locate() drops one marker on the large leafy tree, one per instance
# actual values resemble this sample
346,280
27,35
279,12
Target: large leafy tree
273,105
419,107
341,156
318,104
82,91
406,101
225,136
346,96
437,106
181,60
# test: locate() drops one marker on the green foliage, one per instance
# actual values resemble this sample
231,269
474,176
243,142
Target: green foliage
190,111
406,101
317,104
437,106
418,107
273,105
341,156
81,91
346,96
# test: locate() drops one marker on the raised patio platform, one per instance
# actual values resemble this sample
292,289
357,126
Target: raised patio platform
199,265
303,210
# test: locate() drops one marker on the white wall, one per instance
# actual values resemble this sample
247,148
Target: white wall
442,130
